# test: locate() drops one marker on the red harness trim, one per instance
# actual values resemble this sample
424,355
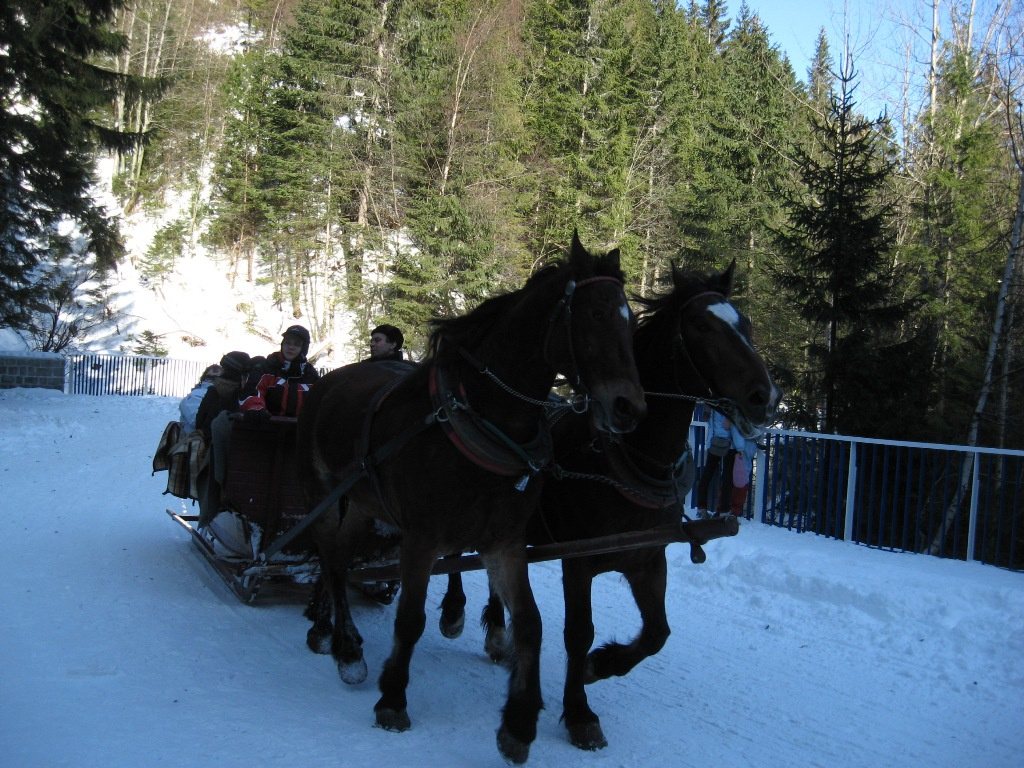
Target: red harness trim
455,429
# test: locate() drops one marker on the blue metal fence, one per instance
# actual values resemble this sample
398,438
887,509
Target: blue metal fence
947,500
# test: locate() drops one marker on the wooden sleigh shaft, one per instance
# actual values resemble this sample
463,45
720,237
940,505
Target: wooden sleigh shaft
245,577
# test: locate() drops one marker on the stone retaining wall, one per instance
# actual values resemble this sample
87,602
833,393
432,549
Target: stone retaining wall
31,369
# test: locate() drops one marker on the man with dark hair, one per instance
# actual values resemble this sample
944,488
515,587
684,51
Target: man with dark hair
386,343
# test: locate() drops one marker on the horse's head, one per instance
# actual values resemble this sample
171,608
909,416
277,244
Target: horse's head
713,352
595,350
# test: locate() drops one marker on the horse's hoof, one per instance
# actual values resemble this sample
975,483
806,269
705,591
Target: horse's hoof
352,672
588,736
318,642
452,629
496,646
512,749
393,720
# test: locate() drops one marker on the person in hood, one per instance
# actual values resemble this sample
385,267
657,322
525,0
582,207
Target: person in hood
276,386
189,406
223,395
213,422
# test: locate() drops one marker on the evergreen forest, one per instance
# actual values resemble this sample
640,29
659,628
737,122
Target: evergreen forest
404,159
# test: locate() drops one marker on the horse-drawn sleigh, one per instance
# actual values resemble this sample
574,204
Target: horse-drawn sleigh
457,456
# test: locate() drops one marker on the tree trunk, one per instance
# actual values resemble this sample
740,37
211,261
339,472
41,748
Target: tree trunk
993,345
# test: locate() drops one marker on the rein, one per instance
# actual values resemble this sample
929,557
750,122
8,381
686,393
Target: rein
656,492
579,401
362,467
680,346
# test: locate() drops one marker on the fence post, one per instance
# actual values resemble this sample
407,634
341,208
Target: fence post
851,494
972,524
759,475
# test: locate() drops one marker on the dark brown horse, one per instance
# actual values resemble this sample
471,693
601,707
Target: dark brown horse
691,345
451,456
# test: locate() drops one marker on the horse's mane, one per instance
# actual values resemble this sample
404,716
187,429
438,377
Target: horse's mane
657,314
469,329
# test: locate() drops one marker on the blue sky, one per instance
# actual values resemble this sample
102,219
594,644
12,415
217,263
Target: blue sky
793,25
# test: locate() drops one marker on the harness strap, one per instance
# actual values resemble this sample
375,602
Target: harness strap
354,472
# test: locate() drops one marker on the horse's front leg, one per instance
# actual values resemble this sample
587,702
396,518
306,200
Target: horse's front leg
318,638
510,581
410,619
583,724
648,587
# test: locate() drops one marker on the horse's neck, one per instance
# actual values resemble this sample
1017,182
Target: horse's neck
518,377
664,432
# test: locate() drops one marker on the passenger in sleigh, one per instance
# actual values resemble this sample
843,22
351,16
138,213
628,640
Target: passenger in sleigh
183,448
273,386
188,408
213,422
276,386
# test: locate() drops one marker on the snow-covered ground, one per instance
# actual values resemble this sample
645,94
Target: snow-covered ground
122,648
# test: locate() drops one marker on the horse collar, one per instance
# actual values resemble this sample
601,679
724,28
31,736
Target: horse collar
480,440
667,491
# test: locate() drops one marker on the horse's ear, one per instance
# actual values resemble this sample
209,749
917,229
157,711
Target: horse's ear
579,255
727,277
677,275
577,247
614,259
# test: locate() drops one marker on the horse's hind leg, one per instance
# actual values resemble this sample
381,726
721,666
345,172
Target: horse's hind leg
496,637
410,619
510,580
453,607
648,588
346,643
581,722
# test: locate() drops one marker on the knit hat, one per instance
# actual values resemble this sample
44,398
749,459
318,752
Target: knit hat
235,365
301,334
393,334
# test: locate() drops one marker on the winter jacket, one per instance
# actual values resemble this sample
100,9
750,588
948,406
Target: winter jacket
278,386
189,407
211,406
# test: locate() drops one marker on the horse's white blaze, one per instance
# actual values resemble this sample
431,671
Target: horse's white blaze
624,311
727,313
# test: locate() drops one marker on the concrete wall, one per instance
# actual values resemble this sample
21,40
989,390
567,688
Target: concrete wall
31,369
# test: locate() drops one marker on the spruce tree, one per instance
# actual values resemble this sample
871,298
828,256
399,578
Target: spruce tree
458,137
53,93
839,269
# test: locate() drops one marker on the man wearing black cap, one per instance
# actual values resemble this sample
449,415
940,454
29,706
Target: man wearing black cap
276,387
386,343
223,395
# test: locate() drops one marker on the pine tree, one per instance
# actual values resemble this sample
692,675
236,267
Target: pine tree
238,181
840,272
53,94
458,141
957,232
